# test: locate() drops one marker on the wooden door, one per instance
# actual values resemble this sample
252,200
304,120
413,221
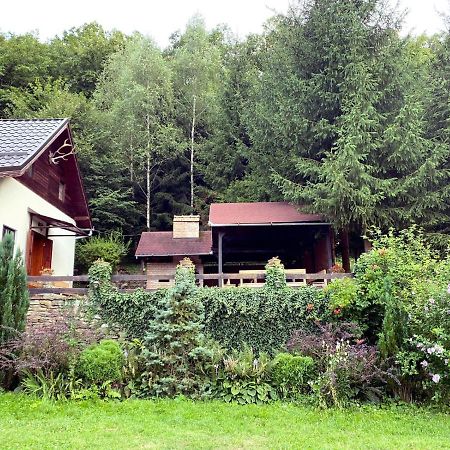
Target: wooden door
40,254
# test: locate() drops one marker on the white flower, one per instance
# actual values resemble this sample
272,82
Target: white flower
436,378
432,301
431,350
448,288
424,363
439,349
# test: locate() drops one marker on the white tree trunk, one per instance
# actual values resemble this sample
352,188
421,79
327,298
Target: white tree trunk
148,171
148,191
192,154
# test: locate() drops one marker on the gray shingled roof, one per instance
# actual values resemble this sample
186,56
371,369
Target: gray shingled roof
22,139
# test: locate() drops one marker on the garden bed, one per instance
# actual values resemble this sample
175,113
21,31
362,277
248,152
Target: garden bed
28,423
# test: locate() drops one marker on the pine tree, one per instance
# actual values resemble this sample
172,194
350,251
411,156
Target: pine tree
14,299
175,357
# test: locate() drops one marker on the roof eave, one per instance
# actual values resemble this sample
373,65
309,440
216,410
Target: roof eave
147,255
212,225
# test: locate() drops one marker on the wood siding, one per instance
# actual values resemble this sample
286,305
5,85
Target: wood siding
44,179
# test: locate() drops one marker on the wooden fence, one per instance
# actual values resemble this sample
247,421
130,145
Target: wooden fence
48,284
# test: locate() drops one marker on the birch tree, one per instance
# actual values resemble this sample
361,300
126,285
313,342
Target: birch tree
136,94
198,74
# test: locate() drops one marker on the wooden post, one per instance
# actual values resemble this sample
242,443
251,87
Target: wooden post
220,249
345,250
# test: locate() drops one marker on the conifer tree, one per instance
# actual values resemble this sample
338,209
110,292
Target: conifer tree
14,299
175,356
353,144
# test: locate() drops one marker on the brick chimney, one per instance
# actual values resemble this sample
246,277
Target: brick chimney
186,227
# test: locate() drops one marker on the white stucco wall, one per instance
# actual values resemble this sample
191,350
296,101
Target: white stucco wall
15,199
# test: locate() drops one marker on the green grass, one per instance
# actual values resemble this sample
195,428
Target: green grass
175,424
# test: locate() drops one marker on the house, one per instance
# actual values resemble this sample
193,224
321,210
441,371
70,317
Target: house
241,236
42,199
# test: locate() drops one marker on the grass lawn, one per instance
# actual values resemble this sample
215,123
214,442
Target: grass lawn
27,423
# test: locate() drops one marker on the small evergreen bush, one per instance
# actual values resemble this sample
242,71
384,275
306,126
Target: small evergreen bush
101,363
291,374
175,356
14,298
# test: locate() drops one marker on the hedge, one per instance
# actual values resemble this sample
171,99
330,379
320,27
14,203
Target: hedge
263,318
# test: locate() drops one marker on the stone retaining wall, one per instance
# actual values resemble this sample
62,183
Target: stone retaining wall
50,308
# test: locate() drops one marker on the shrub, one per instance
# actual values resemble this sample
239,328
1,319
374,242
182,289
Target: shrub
14,299
131,312
242,377
42,358
175,356
263,318
50,348
341,295
291,374
348,368
402,258
101,363
110,248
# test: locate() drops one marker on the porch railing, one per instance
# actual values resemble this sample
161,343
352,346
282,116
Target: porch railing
54,284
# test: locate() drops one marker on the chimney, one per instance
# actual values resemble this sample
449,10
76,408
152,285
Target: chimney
186,227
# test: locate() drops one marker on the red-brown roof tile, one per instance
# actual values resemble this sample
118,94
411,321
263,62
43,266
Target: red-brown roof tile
161,243
226,214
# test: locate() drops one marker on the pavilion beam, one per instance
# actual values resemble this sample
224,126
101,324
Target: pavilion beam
220,252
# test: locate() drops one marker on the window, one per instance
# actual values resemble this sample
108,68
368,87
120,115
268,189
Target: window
8,230
62,191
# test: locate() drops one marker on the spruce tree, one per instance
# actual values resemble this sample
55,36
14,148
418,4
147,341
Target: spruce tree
175,357
14,299
352,145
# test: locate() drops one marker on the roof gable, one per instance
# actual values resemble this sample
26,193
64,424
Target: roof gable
21,140
259,213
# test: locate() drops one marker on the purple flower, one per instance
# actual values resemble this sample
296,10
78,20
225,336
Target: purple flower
424,363
448,288
436,378
431,350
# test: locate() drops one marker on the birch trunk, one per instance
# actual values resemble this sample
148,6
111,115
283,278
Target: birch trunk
192,154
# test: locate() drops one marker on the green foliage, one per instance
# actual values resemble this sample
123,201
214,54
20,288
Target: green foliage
101,363
291,374
243,377
175,356
341,295
275,275
110,249
262,318
14,298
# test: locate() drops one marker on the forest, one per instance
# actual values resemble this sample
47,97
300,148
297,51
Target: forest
331,107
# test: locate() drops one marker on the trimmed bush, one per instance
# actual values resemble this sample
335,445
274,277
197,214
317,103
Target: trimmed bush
262,318
101,363
291,374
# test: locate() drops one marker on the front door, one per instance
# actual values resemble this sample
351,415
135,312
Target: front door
40,253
